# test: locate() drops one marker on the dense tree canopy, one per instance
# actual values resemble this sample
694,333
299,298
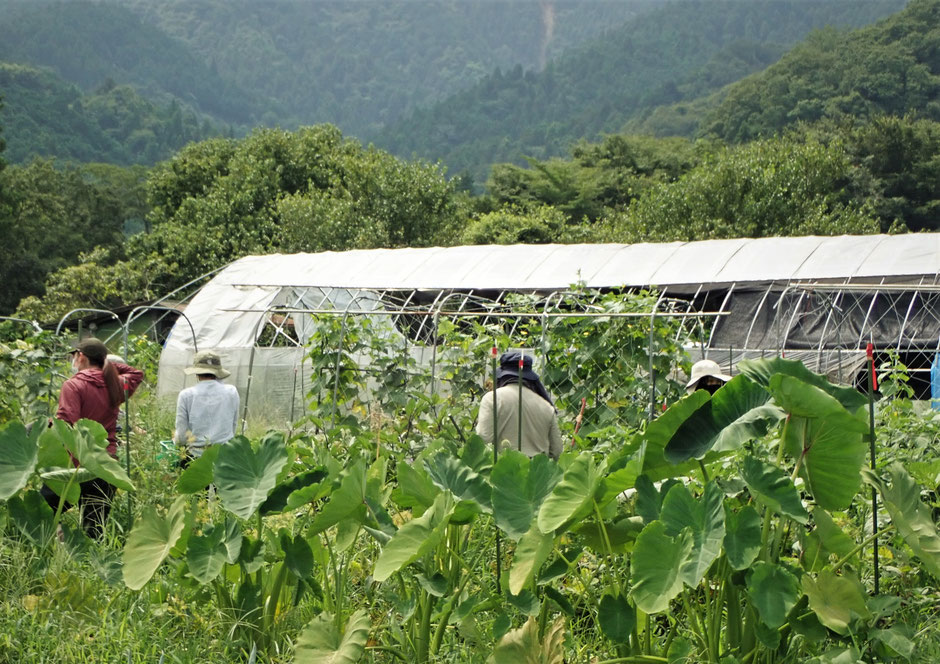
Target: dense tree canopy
53,216
764,188
47,117
218,200
889,68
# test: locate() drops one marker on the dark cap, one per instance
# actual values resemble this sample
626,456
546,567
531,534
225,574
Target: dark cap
93,349
509,366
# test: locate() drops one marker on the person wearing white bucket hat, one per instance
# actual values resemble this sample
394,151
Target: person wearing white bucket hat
207,412
706,375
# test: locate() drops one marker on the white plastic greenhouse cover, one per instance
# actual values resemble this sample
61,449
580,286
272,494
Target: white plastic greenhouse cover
225,313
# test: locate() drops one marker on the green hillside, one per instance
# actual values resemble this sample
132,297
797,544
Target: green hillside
891,68
361,64
682,50
89,43
44,116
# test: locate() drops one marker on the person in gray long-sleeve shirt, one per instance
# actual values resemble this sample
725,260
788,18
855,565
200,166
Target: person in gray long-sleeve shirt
540,432
207,412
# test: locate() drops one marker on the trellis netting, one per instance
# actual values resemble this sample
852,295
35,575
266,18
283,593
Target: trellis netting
819,299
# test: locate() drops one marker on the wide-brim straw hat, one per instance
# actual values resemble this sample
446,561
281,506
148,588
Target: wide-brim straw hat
704,368
207,362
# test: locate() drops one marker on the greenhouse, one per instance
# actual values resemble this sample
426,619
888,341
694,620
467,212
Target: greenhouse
818,299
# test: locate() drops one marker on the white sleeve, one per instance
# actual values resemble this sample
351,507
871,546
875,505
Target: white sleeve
182,418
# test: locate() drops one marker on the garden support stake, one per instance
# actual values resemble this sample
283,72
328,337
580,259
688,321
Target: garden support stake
872,386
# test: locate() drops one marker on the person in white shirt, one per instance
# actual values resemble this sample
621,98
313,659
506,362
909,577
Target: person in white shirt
207,412
540,432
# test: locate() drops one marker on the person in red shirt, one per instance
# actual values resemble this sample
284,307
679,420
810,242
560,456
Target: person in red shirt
95,392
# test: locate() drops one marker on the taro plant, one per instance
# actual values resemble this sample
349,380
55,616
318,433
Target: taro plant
730,545
755,555
44,455
431,564
257,574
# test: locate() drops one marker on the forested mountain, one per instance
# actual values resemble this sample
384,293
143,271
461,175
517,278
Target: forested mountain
892,67
361,64
866,162
357,65
681,50
46,117
89,43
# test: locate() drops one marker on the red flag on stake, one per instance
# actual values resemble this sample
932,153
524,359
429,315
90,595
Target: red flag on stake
870,351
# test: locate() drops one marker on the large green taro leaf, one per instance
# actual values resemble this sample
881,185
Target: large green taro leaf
66,482
836,600
832,449
909,514
33,517
520,485
656,567
415,538
321,642
415,489
649,500
245,477
88,441
762,372
704,518
52,452
774,488
624,475
742,536
19,453
737,413
531,552
616,617
207,554
450,473
298,556
573,496
661,430
198,474
774,591
523,645
346,501
802,399
150,542
283,497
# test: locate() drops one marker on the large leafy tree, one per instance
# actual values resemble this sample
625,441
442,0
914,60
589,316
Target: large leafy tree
782,186
900,156
598,178
308,190
51,216
274,191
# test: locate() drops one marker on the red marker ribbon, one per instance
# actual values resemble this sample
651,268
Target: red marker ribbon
870,351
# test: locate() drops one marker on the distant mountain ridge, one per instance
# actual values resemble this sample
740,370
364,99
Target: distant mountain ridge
356,64
89,43
45,116
680,51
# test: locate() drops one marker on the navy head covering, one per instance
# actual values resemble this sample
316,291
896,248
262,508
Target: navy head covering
509,372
